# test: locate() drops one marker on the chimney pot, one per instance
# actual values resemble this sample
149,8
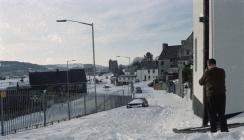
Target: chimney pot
165,45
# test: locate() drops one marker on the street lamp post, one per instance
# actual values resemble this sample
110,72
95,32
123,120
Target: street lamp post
129,73
128,59
67,80
93,52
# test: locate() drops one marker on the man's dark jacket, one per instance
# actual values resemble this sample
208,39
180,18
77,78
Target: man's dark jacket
214,80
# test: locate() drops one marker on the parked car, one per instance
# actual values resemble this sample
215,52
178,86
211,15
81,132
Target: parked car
150,84
154,81
138,90
137,80
138,102
106,87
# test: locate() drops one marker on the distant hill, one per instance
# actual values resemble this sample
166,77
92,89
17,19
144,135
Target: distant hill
63,66
75,65
20,69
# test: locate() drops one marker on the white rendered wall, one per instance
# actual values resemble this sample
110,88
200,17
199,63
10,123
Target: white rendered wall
140,74
197,49
228,48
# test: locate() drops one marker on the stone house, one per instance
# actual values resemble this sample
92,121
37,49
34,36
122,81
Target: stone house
167,61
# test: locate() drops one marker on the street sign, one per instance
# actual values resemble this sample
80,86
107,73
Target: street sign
3,94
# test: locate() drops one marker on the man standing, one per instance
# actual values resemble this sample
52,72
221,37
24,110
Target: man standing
214,80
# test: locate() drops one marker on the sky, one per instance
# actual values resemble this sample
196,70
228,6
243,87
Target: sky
131,28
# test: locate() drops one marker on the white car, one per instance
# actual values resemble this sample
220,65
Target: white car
138,102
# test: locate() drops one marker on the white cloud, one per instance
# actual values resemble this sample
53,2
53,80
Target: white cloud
2,49
55,38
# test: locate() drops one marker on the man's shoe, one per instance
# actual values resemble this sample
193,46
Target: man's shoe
225,130
205,125
213,130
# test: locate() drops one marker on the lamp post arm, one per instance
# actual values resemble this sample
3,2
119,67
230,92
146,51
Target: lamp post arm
125,57
80,22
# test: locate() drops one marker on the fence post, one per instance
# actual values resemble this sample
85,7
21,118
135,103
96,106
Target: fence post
96,100
111,102
85,104
104,101
68,100
44,105
2,119
123,97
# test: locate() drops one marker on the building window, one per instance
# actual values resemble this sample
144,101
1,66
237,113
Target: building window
145,78
148,77
148,71
162,71
153,70
187,52
162,62
195,55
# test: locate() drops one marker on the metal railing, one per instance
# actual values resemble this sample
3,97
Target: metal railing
33,107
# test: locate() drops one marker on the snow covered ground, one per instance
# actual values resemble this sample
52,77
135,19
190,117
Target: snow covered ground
165,111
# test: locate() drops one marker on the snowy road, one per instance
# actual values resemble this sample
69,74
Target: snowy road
166,111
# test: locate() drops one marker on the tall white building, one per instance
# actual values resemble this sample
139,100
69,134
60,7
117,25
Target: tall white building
218,27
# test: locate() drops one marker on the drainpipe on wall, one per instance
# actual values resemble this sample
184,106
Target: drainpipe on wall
205,21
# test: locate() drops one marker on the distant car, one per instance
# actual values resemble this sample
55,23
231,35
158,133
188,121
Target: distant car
138,90
106,87
138,102
137,80
138,87
155,81
150,84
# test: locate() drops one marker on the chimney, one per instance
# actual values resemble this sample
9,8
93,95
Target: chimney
183,42
165,45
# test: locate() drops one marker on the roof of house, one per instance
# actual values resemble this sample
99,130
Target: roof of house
113,63
88,66
190,37
185,58
57,77
169,52
127,76
149,65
